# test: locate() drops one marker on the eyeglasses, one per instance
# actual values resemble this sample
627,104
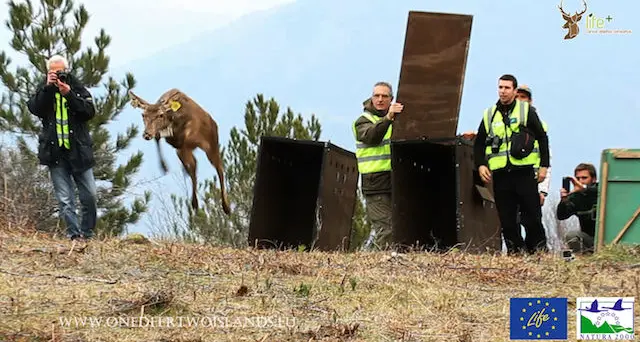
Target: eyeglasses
384,96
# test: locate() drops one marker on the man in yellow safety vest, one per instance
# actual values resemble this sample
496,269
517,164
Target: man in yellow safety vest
503,154
372,132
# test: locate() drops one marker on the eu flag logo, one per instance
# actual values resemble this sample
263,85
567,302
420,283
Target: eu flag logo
538,318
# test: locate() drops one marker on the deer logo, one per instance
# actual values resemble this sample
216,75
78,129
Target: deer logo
572,21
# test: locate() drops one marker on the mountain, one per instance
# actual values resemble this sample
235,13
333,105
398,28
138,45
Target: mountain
323,58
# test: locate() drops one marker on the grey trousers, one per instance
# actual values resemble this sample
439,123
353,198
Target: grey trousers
579,242
379,214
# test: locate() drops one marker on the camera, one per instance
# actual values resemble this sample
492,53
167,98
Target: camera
62,76
566,183
495,143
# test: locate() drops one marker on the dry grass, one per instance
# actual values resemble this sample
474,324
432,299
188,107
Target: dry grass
249,295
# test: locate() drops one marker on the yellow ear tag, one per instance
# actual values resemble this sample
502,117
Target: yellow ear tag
175,105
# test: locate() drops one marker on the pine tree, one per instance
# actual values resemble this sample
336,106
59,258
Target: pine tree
49,27
361,226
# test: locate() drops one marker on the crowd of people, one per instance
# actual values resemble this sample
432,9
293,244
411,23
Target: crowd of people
511,152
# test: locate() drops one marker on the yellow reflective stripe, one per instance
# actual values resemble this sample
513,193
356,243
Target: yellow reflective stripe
382,143
62,122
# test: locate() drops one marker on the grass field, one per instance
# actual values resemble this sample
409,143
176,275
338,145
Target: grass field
136,290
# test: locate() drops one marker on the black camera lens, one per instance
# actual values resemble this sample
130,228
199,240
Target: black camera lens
62,76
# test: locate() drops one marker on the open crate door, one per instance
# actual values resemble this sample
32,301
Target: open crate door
618,205
432,75
304,194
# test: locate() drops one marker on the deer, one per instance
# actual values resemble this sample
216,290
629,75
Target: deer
572,21
185,125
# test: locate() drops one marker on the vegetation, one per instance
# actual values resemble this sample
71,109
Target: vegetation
120,286
41,29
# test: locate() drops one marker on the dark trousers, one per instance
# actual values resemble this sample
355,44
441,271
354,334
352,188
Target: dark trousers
517,190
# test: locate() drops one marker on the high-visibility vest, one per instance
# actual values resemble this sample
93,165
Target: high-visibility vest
373,158
496,127
62,122
536,148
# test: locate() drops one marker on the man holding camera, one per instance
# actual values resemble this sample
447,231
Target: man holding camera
582,202
503,154
65,146
372,132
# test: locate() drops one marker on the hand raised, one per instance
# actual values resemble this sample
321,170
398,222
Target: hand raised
52,78
396,108
63,87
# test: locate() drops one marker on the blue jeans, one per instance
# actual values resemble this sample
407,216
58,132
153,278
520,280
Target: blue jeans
63,184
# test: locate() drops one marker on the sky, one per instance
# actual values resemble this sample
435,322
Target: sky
163,24
323,58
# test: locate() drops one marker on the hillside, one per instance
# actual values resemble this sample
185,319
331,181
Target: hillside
48,285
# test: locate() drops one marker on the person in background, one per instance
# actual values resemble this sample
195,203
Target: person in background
525,93
581,201
64,106
372,132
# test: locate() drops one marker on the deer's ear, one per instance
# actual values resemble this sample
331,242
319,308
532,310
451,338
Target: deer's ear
172,104
137,101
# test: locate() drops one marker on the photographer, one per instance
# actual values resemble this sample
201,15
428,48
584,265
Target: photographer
64,145
582,202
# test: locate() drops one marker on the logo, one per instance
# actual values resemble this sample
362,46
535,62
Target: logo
538,318
593,24
571,21
604,318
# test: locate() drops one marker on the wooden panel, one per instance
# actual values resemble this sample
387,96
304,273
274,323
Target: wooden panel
338,196
618,203
432,75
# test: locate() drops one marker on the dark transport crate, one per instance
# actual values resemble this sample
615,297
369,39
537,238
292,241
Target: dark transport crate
439,200
304,194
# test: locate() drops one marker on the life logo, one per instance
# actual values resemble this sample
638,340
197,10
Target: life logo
592,23
605,318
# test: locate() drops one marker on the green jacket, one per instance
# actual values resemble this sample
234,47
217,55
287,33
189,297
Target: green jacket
370,133
582,204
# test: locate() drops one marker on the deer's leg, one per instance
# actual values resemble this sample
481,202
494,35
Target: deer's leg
163,165
213,153
189,163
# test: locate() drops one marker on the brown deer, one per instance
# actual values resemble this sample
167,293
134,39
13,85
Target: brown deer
572,21
184,125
